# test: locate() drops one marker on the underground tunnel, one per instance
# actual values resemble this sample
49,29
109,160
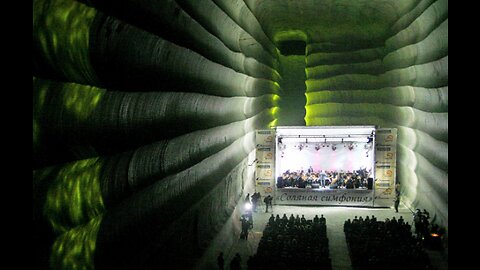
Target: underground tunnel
145,114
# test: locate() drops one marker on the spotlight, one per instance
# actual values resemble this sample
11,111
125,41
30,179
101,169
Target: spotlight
248,206
350,146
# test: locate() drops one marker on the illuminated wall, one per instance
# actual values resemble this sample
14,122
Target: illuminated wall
144,112
402,83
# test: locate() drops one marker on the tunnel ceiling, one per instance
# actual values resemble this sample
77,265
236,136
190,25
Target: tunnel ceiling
336,21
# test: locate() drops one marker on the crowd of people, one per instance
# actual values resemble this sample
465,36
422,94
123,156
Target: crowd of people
385,244
429,234
357,179
292,243
295,242
300,243
250,205
254,200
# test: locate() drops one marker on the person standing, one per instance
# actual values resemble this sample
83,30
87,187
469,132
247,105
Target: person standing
220,261
323,177
255,199
397,197
268,202
235,262
247,199
245,227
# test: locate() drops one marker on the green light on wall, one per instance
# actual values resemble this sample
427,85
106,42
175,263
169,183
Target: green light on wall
75,249
289,35
273,123
403,115
81,100
274,113
77,100
61,32
275,99
277,86
74,195
36,134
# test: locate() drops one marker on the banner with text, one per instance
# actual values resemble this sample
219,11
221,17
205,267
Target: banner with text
265,166
343,197
385,166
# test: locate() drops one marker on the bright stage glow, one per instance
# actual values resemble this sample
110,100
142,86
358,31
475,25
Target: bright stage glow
248,206
342,158
338,148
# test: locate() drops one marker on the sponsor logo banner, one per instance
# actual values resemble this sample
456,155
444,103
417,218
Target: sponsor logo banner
386,136
385,165
265,156
385,156
385,173
265,171
265,137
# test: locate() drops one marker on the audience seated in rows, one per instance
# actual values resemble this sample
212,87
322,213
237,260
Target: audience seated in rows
290,242
430,235
385,244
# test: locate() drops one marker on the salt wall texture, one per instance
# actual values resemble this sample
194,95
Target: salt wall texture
144,114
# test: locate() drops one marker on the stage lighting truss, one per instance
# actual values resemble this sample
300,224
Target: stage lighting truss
324,139
351,145
301,146
350,141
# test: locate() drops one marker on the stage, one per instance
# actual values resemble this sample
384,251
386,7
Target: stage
327,165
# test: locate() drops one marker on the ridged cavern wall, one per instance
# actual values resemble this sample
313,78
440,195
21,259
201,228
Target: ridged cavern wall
144,113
